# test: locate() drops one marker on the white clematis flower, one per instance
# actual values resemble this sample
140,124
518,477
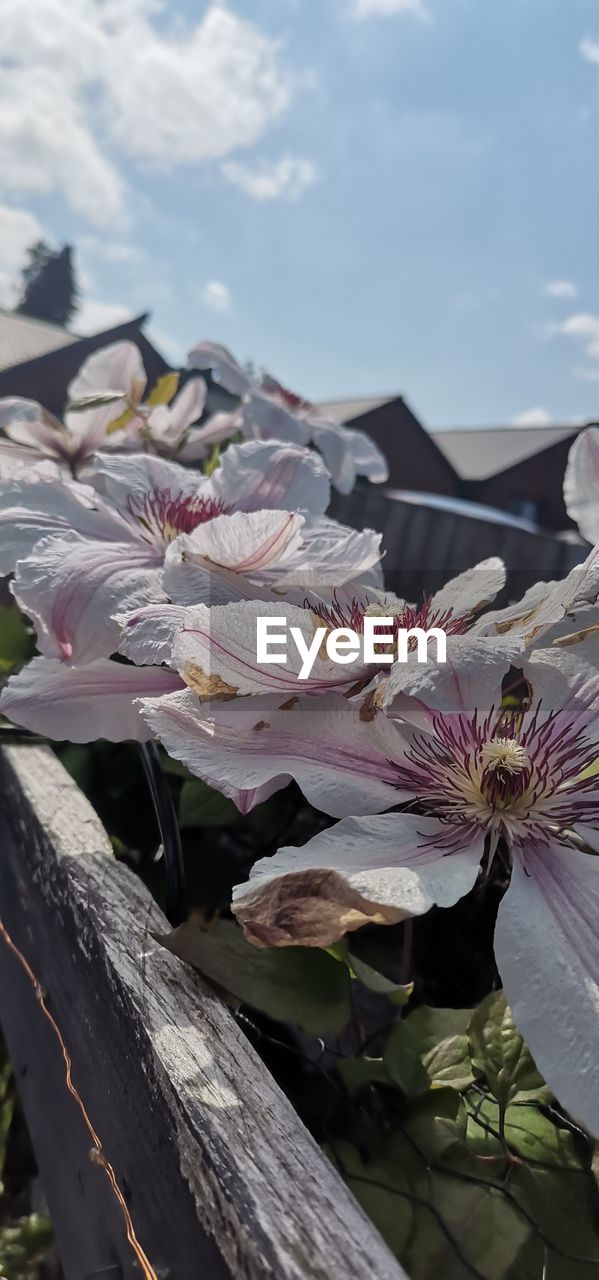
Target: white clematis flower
479,781
106,410
82,554
221,641
269,411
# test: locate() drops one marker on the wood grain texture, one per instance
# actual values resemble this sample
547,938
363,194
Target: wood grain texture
219,1174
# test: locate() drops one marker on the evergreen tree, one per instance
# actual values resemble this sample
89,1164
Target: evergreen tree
49,286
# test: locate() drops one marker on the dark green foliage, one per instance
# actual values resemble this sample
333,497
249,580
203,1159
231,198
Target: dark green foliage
49,286
435,1115
24,1238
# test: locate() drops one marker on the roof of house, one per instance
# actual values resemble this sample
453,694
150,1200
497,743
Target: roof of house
344,410
477,453
23,338
45,377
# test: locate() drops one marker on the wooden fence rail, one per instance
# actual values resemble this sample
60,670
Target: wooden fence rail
170,1152
425,546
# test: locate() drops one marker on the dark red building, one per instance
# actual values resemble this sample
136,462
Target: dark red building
519,470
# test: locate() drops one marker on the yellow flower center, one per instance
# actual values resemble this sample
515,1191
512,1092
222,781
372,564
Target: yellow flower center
505,754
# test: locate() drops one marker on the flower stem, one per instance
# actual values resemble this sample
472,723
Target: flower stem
176,897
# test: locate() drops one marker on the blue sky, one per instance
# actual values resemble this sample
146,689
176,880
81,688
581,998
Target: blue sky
365,196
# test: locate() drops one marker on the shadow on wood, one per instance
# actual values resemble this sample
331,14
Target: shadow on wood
218,1174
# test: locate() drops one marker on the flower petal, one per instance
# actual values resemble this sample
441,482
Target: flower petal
368,459
225,368
259,475
330,439
84,704
270,420
25,461
546,603
362,871
222,641
198,440
120,477
471,591
244,543
118,367
581,484
31,509
547,950
188,406
330,555
147,634
70,587
169,425
470,678
340,762
564,678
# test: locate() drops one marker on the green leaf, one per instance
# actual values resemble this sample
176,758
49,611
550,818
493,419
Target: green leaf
564,1207
16,640
7,1103
212,462
398,993
436,1224
382,1193
546,1181
480,1229
173,767
202,806
22,1244
164,390
123,420
356,1073
529,1134
500,1056
439,1037
78,760
404,1064
302,985
436,1121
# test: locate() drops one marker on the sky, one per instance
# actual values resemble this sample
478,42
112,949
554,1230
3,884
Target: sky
363,196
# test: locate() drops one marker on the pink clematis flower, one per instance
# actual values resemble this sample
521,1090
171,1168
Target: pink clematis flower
151,530
478,781
220,641
106,410
269,411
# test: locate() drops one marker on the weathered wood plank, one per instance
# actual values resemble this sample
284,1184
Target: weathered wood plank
219,1175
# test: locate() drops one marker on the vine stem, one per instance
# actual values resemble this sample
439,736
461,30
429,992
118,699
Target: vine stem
176,897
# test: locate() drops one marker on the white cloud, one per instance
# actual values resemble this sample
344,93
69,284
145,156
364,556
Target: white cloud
284,179
586,373
79,77
47,145
560,289
18,230
589,49
535,417
216,295
583,326
94,316
112,250
199,97
383,8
